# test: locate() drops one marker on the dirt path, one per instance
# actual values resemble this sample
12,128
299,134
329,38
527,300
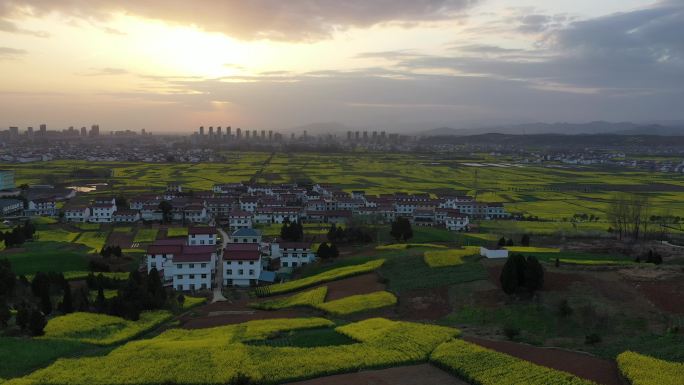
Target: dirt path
404,375
218,279
581,365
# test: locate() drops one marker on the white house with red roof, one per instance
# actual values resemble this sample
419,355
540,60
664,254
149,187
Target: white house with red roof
241,264
456,221
185,267
42,207
126,216
102,212
239,219
201,236
77,214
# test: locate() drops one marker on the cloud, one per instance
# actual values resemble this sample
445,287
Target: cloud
10,27
254,19
108,71
11,53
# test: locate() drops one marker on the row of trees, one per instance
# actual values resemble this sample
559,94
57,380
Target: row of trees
401,229
521,275
18,235
524,241
629,216
351,234
109,251
292,232
327,251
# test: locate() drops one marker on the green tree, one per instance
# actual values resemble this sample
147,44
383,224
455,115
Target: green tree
8,279
513,274
37,323
23,316
66,306
525,240
502,242
323,251
167,211
401,229
5,314
534,274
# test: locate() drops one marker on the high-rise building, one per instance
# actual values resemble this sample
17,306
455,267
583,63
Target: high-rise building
263,134
211,131
270,135
247,134
201,130
365,136
349,136
14,131
356,136
218,132
254,134
29,131
238,133
84,132
94,130
6,180
383,135
228,131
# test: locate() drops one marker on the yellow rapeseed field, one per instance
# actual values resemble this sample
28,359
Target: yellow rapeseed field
645,370
451,257
357,303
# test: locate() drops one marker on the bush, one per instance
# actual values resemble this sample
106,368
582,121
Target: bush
592,339
511,332
564,309
37,323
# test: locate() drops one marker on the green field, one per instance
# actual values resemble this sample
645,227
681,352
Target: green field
145,235
32,257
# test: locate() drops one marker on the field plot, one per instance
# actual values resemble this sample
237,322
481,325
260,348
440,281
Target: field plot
486,367
177,232
358,303
21,355
307,298
330,275
145,235
101,329
229,350
95,240
452,257
644,370
55,235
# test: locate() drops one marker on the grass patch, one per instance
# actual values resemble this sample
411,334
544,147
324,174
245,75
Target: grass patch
530,249
55,235
306,338
409,272
124,229
21,355
33,257
357,303
101,329
452,257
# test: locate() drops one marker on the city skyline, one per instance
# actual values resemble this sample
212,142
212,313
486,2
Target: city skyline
379,65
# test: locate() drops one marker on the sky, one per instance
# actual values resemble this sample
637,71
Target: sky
397,65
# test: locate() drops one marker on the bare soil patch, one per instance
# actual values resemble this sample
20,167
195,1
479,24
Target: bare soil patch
360,284
122,240
581,365
666,295
403,375
425,304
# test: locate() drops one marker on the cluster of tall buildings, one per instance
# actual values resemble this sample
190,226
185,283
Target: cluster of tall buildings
15,133
237,134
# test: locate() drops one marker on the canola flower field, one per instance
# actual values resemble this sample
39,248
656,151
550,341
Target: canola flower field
644,370
451,257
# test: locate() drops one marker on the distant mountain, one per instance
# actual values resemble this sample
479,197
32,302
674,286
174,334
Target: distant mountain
591,128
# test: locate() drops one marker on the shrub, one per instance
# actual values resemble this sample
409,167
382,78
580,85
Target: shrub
511,332
592,339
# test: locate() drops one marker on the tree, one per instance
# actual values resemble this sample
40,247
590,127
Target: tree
100,302
156,288
66,306
323,251
513,273
23,316
502,242
167,211
37,323
5,314
8,279
525,240
334,253
45,302
401,229
332,233
509,242
534,274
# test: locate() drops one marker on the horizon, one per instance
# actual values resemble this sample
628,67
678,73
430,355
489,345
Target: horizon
404,67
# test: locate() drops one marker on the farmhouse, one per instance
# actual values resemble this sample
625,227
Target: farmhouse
184,267
126,216
239,219
241,264
77,214
11,206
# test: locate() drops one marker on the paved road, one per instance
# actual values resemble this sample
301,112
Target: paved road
218,289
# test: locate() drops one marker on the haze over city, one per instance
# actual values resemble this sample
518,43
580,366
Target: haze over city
400,66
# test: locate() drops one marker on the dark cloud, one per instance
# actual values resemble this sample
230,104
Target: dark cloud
253,19
11,53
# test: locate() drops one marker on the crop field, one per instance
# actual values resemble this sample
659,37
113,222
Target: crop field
482,366
55,235
177,232
145,235
644,370
307,298
326,276
404,246
452,257
358,303
95,240
101,329
221,353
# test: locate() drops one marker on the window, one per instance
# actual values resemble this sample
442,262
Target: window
204,265
179,276
204,276
179,266
285,264
294,264
251,262
192,286
241,272
192,276
229,272
251,272
254,240
240,263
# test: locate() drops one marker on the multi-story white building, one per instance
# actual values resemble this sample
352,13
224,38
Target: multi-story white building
456,221
42,207
102,212
77,214
201,236
241,264
293,254
196,213
126,216
11,206
185,268
245,236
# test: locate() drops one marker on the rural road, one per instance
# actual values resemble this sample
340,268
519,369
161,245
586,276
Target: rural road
218,289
